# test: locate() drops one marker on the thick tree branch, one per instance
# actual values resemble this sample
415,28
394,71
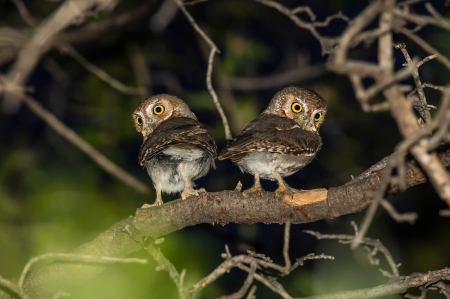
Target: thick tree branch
218,208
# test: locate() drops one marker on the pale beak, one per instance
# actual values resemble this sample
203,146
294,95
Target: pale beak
303,124
151,126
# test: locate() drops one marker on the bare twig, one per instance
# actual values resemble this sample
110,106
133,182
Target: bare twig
68,257
338,16
89,32
422,20
326,42
213,51
68,13
305,9
114,83
405,217
425,114
428,58
193,2
444,213
375,244
76,140
140,67
24,13
426,46
9,285
287,236
303,72
247,283
211,90
251,293
436,87
166,265
423,294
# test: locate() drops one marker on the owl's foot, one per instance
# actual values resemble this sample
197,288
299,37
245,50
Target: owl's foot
157,203
283,188
158,200
188,192
256,189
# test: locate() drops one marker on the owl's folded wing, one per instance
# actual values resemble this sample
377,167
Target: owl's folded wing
271,134
181,132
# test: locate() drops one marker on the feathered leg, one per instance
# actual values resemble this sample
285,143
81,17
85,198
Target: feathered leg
283,187
256,187
188,189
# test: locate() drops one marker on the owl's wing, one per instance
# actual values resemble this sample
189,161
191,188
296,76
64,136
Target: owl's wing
272,134
182,132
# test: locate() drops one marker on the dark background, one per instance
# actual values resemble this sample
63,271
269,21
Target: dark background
54,198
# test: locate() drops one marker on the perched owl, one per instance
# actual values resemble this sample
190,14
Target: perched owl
177,149
282,140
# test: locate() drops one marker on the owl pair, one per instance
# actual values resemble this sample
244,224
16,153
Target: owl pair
177,149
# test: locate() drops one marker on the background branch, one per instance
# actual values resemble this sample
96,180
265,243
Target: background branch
80,143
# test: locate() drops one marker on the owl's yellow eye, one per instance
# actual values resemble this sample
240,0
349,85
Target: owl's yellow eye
158,109
296,107
318,116
139,120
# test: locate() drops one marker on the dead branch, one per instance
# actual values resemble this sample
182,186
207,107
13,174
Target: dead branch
213,51
220,208
424,113
68,13
101,74
397,287
84,34
303,72
375,244
71,258
327,43
80,143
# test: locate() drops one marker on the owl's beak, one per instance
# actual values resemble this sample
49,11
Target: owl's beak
304,123
151,126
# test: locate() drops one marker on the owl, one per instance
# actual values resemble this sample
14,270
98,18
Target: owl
177,149
282,140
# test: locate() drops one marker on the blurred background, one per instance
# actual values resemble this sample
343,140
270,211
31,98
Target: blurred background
54,198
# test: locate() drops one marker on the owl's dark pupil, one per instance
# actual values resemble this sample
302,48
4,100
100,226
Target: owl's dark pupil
317,116
139,121
297,107
158,109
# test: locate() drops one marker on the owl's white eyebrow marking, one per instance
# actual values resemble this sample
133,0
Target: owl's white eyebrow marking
149,109
303,102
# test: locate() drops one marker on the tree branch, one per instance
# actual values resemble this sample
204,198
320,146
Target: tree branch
219,207
80,143
68,13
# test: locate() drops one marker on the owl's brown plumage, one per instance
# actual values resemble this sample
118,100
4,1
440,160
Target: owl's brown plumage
177,149
282,140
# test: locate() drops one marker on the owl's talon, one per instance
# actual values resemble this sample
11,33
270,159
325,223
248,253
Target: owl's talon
285,190
188,192
255,190
157,203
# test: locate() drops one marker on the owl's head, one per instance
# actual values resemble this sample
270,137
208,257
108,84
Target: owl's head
156,109
303,105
